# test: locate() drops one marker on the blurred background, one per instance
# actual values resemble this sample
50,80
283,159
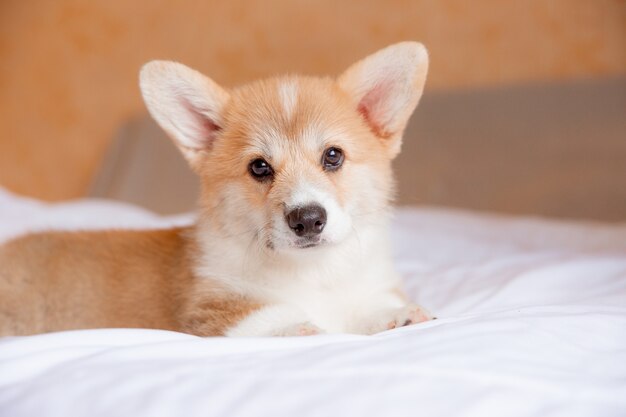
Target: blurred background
524,110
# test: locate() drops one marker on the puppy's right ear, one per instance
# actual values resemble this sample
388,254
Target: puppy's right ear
186,104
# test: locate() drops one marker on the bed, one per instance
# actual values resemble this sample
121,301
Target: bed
531,322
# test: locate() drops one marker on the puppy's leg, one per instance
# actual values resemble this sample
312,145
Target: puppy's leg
407,315
388,311
276,320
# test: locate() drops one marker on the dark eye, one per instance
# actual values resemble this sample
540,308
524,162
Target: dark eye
332,159
260,169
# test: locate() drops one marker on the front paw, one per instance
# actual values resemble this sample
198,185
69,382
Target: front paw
408,315
298,329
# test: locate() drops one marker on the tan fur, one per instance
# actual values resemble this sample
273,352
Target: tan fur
73,280
320,101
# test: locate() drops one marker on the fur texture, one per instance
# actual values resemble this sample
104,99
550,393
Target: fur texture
242,270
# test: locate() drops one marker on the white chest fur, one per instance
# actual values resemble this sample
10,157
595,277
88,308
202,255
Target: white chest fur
337,288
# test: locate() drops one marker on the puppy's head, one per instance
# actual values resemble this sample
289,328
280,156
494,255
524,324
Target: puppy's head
291,162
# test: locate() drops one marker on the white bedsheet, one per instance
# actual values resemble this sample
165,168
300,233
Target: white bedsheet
532,322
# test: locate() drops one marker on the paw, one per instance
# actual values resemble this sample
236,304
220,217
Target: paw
299,329
408,315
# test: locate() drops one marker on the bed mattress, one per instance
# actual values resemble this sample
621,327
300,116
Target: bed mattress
532,322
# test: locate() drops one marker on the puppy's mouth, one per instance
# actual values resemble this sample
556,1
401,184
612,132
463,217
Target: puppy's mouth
308,243
301,243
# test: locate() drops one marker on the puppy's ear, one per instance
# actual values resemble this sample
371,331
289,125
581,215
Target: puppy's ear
386,86
186,104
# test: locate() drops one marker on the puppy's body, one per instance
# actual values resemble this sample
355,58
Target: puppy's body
292,232
65,280
74,280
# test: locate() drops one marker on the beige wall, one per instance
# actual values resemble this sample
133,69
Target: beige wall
68,69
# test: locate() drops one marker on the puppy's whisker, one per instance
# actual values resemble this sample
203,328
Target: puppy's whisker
380,211
358,239
246,256
218,235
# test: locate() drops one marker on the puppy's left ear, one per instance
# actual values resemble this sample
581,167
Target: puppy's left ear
386,87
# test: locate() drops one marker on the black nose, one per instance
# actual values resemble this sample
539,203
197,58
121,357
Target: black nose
307,221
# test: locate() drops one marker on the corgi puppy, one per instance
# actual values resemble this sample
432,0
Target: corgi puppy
292,231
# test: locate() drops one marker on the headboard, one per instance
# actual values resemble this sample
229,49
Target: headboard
555,150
